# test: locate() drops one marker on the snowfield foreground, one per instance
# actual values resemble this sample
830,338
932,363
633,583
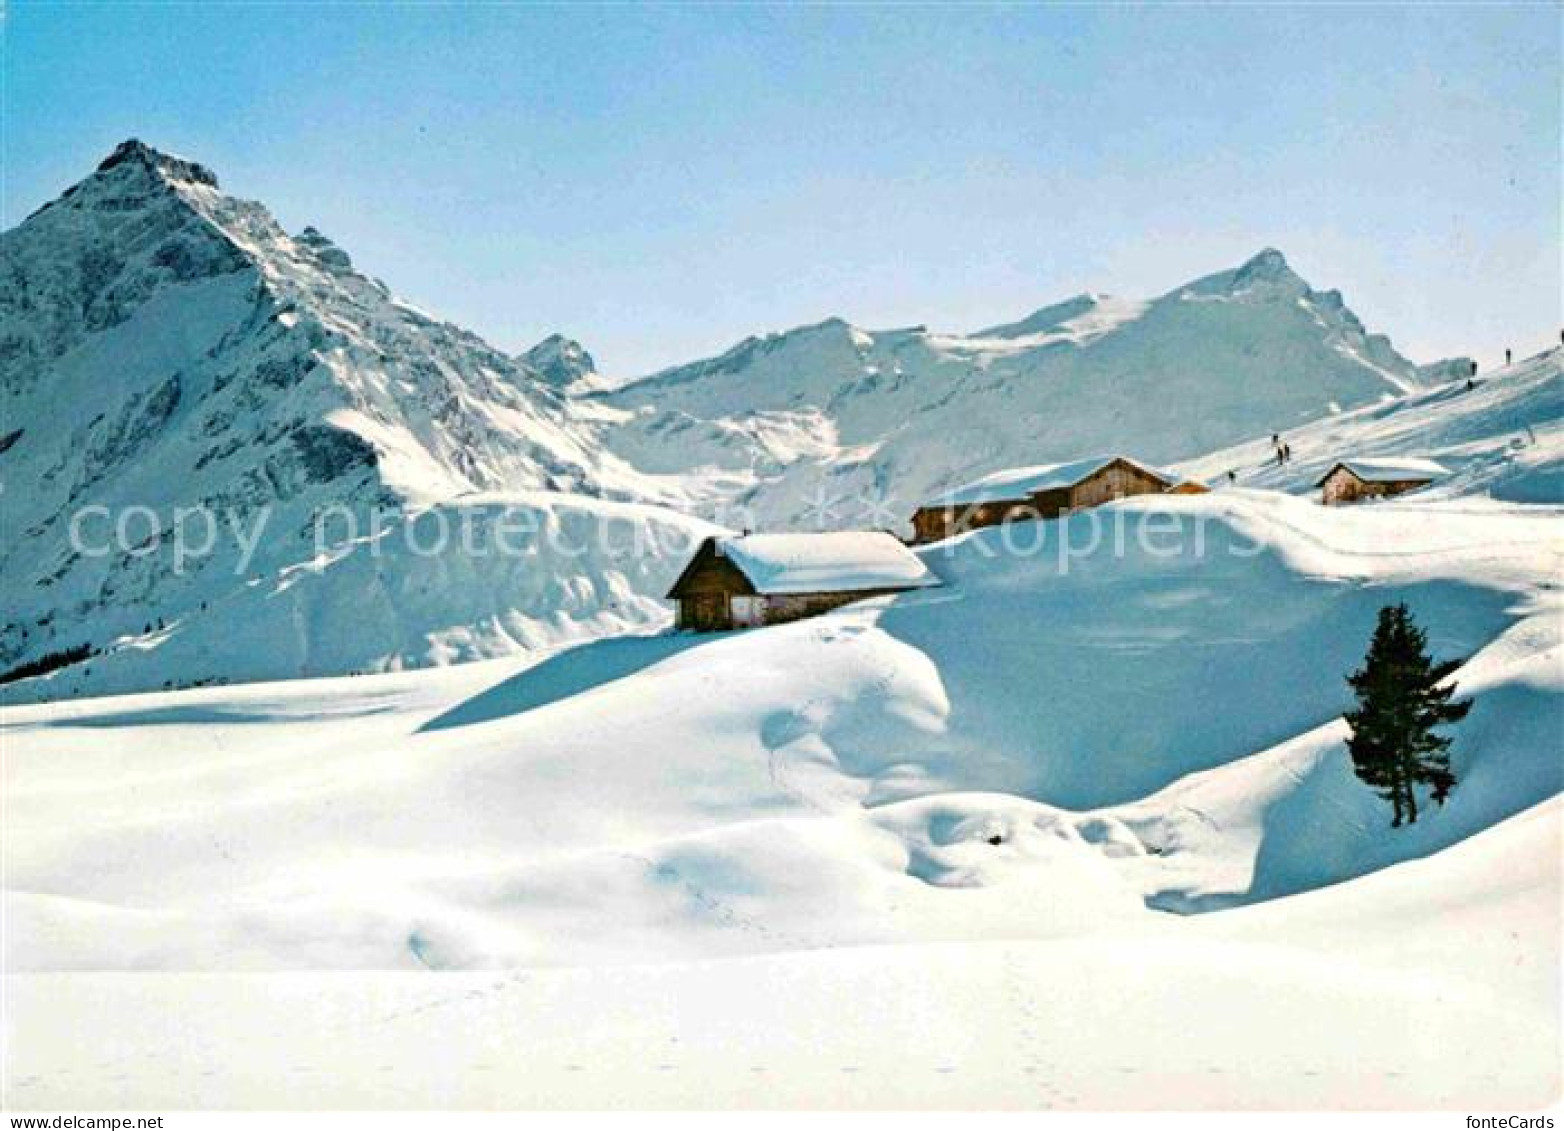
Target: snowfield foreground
1076,829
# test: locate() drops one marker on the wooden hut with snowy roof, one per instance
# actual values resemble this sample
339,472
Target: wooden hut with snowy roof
756,579
1352,480
1044,491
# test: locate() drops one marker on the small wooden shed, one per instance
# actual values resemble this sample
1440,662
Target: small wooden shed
756,579
1044,491
1352,480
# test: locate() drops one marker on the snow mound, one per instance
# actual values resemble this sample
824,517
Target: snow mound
1250,831
484,576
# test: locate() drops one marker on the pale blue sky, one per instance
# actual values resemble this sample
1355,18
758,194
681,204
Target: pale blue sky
660,181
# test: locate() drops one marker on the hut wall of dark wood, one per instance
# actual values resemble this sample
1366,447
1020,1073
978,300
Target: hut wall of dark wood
713,595
780,608
1116,480
1050,503
933,524
1342,486
704,591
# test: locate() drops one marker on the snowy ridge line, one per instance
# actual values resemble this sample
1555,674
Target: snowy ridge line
1499,434
956,419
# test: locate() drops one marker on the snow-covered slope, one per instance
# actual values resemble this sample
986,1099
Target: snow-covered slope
167,348
734,820
513,572
954,766
834,422
1502,435
1427,986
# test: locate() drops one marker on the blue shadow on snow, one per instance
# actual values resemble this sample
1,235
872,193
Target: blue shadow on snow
568,673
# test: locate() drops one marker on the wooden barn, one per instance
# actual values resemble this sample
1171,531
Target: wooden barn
742,582
1352,480
1045,491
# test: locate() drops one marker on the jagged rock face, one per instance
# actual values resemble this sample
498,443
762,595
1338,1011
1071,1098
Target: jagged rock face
135,151
164,346
885,419
85,262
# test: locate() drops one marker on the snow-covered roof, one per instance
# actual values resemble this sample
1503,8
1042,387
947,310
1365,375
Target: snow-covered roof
1022,482
1389,470
832,562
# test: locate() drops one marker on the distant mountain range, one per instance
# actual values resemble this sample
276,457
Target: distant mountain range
166,346
843,413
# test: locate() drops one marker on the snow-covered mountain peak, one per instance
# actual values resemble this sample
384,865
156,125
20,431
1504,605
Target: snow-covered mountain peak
781,356
134,153
1264,276
1269,266
86,261
1267,272
1268,262
134,177
142,201
325,251
168,347
560,361
834,330
1048,318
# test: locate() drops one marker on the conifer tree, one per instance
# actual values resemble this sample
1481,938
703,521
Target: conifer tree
1394,746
